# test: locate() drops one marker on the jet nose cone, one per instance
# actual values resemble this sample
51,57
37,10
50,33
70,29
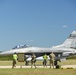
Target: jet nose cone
5,53
2,53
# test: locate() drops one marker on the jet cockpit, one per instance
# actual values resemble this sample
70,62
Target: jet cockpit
20,46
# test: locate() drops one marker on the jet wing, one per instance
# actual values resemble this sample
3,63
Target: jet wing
41,58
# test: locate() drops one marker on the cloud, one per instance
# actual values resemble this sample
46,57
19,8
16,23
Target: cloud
30,40
64,26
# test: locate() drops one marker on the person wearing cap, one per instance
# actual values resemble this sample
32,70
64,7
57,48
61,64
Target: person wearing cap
15,57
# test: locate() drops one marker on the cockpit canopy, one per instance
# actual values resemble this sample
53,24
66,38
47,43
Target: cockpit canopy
20,46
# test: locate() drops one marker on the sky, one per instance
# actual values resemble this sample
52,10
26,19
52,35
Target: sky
41,23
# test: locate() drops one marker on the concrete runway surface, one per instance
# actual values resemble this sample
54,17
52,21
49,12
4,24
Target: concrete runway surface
63,66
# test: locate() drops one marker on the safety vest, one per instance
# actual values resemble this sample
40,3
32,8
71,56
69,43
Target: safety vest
45,57
15,56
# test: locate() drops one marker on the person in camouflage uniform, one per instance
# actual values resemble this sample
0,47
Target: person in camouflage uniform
33,60
52,59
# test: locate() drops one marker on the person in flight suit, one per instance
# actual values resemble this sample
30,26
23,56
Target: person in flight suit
52,59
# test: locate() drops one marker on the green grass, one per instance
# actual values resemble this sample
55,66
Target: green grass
67,62
37,71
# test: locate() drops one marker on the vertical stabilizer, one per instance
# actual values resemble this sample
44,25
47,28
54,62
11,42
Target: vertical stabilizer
70,42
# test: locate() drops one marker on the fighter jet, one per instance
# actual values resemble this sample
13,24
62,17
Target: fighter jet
62,51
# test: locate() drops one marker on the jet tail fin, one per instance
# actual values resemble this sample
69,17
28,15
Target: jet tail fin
70,42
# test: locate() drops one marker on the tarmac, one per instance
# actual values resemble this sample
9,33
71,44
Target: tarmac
63,67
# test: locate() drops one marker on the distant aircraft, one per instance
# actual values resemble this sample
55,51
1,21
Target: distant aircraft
61,51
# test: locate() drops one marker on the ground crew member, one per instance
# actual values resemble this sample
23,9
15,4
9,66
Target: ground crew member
15,57
33,60
45,60
52,59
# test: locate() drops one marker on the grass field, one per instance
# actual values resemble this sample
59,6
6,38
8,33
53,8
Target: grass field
38,71
67,62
